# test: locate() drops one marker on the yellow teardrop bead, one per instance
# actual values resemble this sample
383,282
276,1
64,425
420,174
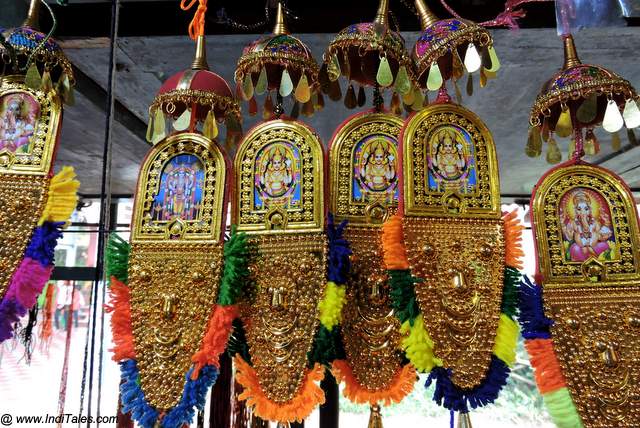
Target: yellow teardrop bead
303,92
210,128
333,68
33,79
495,62
434,79
402,84
247,87
286,85
159,127
564,127
183,121
261,86
384,76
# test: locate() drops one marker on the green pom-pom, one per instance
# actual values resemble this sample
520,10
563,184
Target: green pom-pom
236,268
237,343
403,296
512,278
117,258
327,347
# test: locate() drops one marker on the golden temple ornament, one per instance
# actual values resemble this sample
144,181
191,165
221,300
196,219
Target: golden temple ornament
171,286
453,258
280,206
369,54
364,191
35,205
580,323
576,100
279,63
447,48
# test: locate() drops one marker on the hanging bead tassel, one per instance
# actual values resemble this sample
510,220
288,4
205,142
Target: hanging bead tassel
253,106
384,77
267,108
553,152
346,66
457,68
533,148
631,136
375,418
545,133
335,93
210,127
434,79
362,98
65,88
470,85
303,92
47,83
564,127
350,101
318,103
472,61
588,110
295,110
402,83
483,78
159,126
261,86
307,108
247,87
631,114
33,79
591,144
418,100
183,121
286,85
485,58
149,136
333,68
495,62
613,120
395,104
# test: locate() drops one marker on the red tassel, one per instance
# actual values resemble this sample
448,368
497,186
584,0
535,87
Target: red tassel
47,316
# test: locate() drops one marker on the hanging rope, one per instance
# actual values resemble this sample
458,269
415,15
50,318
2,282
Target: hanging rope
196,26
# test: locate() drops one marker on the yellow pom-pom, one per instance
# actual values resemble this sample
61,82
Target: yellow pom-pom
506,340
331,305
418,345
62,198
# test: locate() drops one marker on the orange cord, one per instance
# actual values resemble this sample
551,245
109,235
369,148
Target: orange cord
196,27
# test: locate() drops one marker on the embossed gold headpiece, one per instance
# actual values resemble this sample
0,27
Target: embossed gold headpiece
581,321
580,97
34,204
453,259
369,54
446,48
170,286
281,63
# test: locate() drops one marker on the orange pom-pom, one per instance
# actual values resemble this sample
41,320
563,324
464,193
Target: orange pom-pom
309,396
120,308
401,385
395,253
215,339
547,370
513,240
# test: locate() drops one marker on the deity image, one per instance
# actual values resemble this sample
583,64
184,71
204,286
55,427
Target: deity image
450,161
375,172
19,113
585,221
277,175
180,192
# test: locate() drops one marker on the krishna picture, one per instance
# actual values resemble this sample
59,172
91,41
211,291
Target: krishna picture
375,171
277,176
19,114
180,192
585,221
450,160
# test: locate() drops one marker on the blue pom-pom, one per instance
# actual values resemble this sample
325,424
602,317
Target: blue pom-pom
43,242
535,324
193,397
133,398
339,252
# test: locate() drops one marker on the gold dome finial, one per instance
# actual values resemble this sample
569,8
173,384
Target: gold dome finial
281,26
200,61
33,15
570,54
427,18
382,16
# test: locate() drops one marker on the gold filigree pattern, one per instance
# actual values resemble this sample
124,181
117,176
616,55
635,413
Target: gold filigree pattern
174,287
421,197
595,335
22,199
278,213
281,319
557,270
206,225
39,158
462,264
370,328
344,203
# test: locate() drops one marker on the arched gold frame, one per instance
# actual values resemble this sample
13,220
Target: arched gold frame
341,153
210,226
308,219
419,201
555,270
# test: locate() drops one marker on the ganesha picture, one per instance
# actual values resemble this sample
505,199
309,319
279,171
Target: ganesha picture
585,221
19,113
